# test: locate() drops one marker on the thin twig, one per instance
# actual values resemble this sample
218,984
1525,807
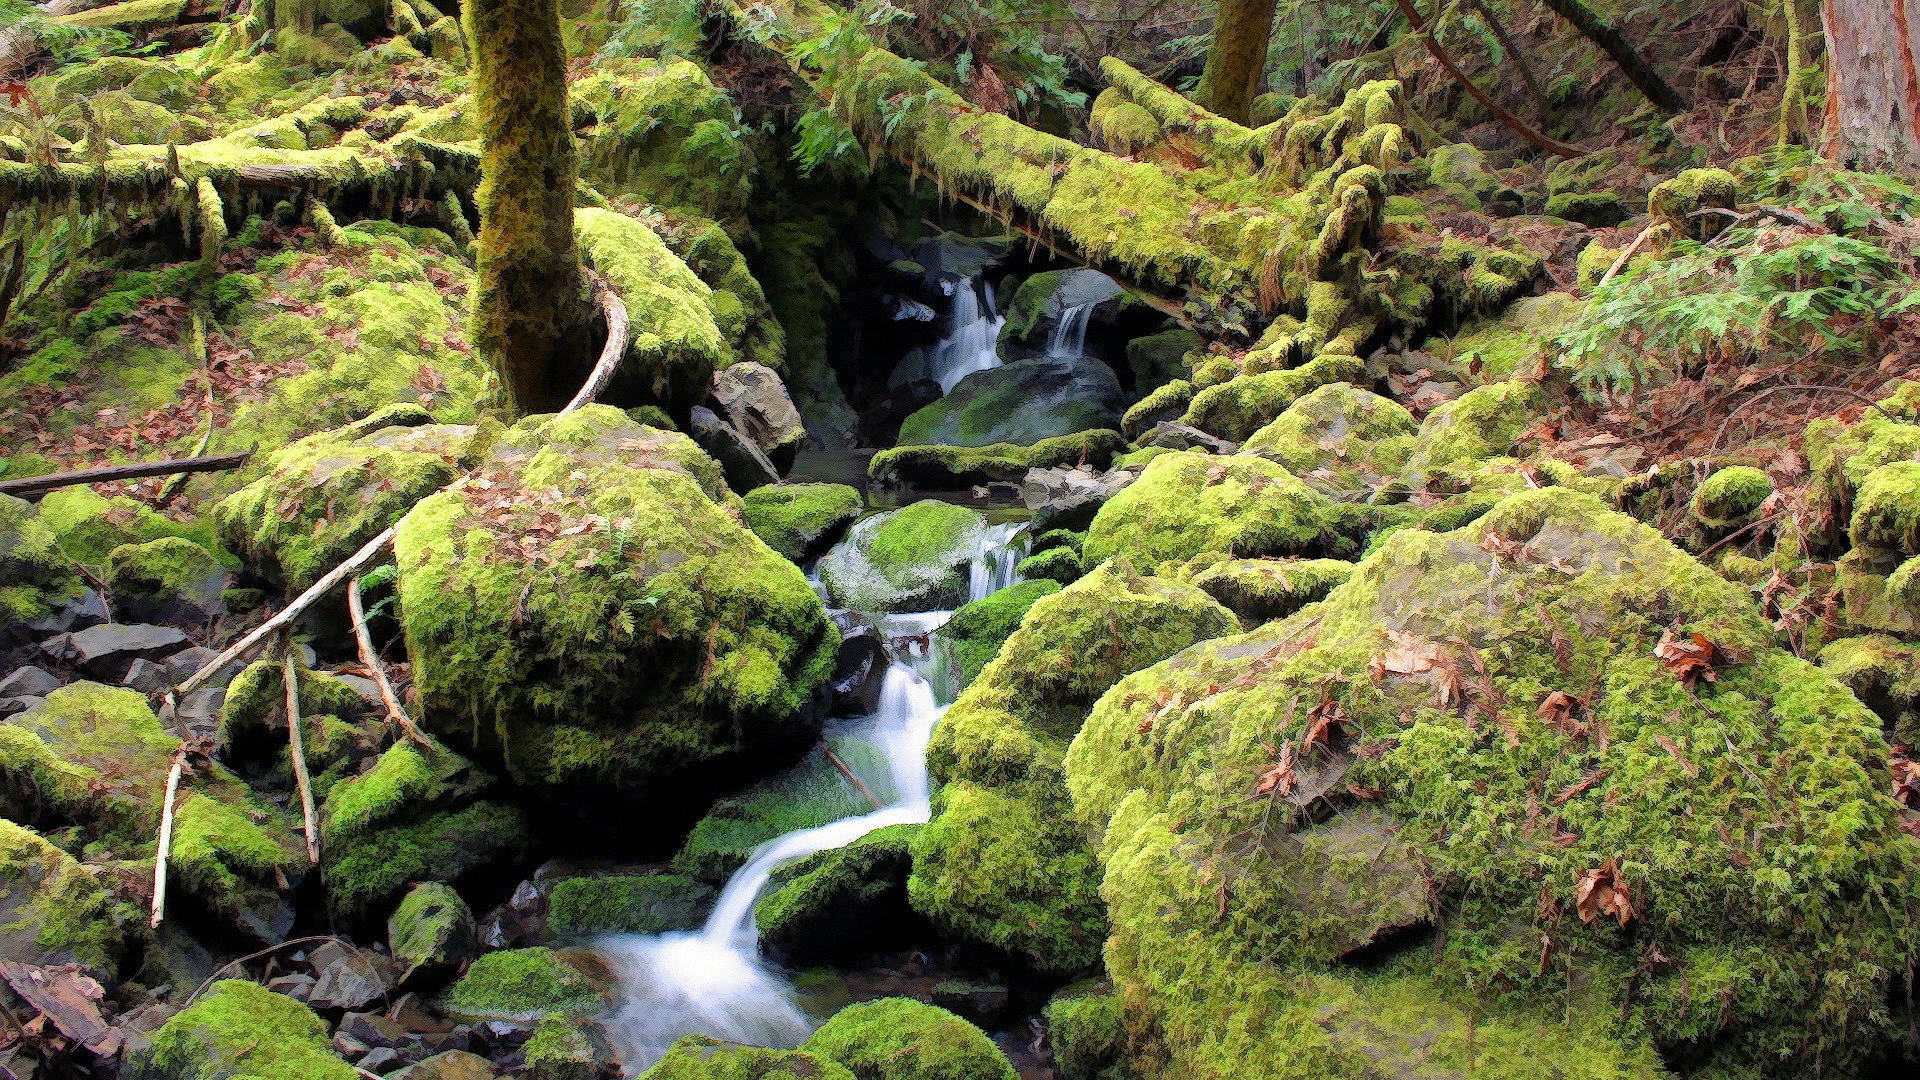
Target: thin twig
1519,127
357,614
1620,263
165,845
290,674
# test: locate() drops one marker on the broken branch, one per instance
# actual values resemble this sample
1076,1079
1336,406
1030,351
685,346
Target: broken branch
370,659
166,839
290,675
32,486
1520,127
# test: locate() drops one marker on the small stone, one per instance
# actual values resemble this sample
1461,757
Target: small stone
752,399
296,986
349,1047
348,979
107,651
381,1059
28,681
13,706
200,710
745,464
372,1030
183,664
146,676
450,1065
85,610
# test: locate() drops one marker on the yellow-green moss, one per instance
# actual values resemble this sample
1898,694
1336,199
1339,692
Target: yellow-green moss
1731,496
1237,408
524,983
1187,503
697,1057
675,346
901,1039
797,520
54,910
242,1029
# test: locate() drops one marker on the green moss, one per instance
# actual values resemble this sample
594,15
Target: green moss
1731,496
1258,590
900,1039
1482,423
431,929
1060,565
807,796
1341,440
1169,401
912,559
697,1057
1887,510
1672,202
1599,209
1088,1034
976,631
141,576
253,714
676,346
1512,344
799,520
563,1049
1884,673
52,909
524,984
241,1029
89,526
1187,503
1224,889
661,130
959,467
1158,359
1237,408
35,576
842,901
626,904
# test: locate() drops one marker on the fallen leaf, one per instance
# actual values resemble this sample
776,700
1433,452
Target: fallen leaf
1603,892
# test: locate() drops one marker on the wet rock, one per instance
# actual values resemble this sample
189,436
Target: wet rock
982,1003
381,1060
859,667
1068,498
450,1065
11,706
348,978
1043,300
296,986
52,909
106,652
430,935
373,1030
1020,403
527,984
87,608
1174,435
36,579
912,559
563,1049
841,904
583,907
977,630
752,399
745,465
28,681
200,709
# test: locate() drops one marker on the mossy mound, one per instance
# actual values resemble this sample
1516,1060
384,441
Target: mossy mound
1186,503
1886,512
97,757
1235,409
676,346
1730,497
591,612
975,633
1088,1033
801,521
415,816
1259,590
901,1039
1001,862
318,500
430,934
811,794
1557,729
1156,360
662,131
581,907
524,984
252,736
241,1029
170,580
53,910
1062,566
1021,403
567,1049
1481,424
35,578
912,559
1514,343
1168,401
843,903
697,1057
952,468
88,525
1342,441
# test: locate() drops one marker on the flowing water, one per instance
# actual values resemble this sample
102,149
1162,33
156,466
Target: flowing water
712,981
970,344
1069,336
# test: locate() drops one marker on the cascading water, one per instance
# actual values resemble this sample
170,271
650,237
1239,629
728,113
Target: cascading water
1069,336
970,342
711,981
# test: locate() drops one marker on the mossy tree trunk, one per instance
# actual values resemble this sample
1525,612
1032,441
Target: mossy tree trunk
1595,28
1237,62
533,317
1873,84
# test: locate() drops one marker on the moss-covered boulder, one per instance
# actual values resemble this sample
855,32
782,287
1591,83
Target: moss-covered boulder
1001,862
1884,673
592,614
97,757
1517,342
977,629
88,526
170,581
252,736
1087,1031
584,907
1235,409
811,794
1258,590
35,578
1730,497
1042,302
1340,440
1562,732
1481,424
1020,403
318,500
902,1039
912,559
1187,503
568,1049
953,468
1158,359
526,984
53,910
417,815
1062,566
841,904
1169,401
241,1029
676,346
801,521
697,1057
430,934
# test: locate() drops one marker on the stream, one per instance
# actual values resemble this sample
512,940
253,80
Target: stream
712,981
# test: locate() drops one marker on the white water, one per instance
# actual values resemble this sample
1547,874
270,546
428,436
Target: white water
711,981
970,342
1069,336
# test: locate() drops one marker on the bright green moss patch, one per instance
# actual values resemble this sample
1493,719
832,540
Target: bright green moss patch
976,631
35,576
912,559
430,931
170,576
564,1049
626,904
697,1057
524,983
52,909
1088,1033
1887,511
89,526
675,347
960,467
811,794
1062,566
1731,496
1261,589
842,902
241,1029
1186,503
799,520
900,1039
1237,408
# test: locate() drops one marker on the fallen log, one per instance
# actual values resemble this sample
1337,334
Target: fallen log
33,486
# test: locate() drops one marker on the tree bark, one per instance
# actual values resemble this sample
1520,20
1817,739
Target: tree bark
1595,28
532,312
1873,84
1237,62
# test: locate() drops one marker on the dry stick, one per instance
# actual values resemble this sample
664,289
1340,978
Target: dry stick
1519,126
290,674
616,346
1620,263
848,773
357,614
166,838
40,485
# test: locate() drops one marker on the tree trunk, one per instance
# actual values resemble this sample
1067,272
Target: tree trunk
1238,60
1873,84
1595,28
532,315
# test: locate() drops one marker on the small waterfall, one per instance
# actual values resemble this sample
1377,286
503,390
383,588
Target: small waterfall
1069,337
711,981
970,344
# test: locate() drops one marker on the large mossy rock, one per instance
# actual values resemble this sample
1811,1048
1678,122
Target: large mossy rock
1021,403
957,468
527,984
1188,503
902,1039
430,935
171,581
53,910
800,521
1558,730
35,578
1042,300
318,500
241,1029
1002,862
584,907
966,642
591,613
842,904
97,757
1235,409
697,1057
1339,440
912,559
675,346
